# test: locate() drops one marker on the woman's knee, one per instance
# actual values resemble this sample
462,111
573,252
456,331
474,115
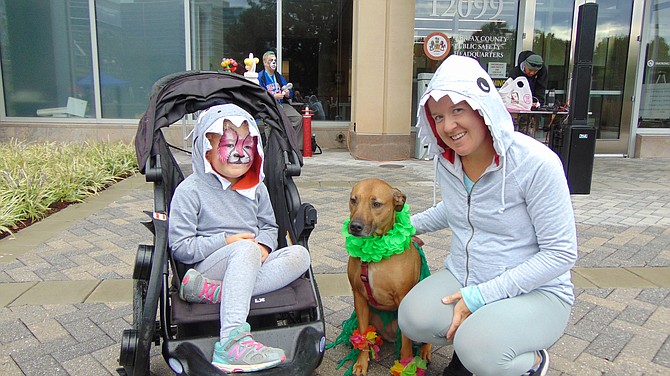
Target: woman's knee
417,323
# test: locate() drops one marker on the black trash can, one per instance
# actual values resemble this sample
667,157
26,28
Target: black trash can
575,145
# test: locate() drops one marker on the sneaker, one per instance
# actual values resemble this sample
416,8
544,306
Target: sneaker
197,289
456,368
242,354
543,367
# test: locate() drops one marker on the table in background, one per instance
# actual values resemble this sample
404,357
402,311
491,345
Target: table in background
528,122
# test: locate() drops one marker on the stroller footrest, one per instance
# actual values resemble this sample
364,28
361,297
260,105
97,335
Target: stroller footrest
296,296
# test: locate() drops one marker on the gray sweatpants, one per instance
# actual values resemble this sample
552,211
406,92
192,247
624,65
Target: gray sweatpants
239,266
498,339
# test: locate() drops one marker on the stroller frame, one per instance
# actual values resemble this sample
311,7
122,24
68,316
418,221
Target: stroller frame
290,318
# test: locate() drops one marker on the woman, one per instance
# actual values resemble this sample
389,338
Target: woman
505,295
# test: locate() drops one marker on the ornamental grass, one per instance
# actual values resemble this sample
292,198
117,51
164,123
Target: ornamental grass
37,179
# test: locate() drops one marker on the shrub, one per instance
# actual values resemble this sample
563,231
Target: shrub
37,177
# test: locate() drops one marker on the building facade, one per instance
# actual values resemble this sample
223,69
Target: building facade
84,69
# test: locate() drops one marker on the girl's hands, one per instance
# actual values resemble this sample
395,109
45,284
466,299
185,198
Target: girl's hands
461,312
237,237
264,252
249,236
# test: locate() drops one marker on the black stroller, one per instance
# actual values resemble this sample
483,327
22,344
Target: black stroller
290,318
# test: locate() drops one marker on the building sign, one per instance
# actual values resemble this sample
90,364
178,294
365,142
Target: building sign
655,101
481,46
436,46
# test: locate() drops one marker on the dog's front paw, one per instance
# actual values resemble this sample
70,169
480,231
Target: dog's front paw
425,352
361,366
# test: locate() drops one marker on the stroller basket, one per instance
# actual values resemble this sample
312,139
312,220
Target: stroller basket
290,318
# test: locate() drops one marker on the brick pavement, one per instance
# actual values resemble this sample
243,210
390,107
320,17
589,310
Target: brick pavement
65,282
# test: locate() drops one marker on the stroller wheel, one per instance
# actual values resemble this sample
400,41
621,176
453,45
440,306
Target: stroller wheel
129,342
139,297
143,262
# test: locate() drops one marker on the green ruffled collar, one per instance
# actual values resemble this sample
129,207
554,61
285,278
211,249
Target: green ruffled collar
374,248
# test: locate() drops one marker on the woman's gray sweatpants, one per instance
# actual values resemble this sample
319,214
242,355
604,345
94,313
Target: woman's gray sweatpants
239,266
499,339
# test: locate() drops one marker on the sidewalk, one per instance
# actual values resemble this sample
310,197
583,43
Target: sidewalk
65,283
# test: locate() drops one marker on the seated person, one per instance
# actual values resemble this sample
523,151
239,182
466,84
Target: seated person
532,67
317,107
297,97
222,221
276,85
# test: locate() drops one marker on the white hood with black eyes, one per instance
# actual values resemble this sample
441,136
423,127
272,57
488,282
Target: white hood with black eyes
211,121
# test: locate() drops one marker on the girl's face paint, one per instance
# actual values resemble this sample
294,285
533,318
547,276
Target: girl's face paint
234,148
233,152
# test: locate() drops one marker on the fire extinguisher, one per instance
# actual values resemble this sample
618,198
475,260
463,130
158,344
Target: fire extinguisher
307,132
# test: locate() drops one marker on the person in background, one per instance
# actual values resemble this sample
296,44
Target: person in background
532,67
276,85
505,293
297,97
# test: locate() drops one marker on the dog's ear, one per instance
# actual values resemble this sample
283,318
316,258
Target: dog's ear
399,199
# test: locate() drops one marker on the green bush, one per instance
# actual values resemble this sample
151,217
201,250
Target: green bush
34,177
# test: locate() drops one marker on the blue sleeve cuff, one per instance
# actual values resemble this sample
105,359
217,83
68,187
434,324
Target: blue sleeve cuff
472,297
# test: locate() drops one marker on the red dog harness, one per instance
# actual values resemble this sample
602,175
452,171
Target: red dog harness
366,283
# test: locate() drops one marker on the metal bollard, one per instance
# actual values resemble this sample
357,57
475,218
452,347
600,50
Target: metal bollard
307,132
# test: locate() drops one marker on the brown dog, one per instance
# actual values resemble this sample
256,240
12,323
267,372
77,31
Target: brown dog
373,205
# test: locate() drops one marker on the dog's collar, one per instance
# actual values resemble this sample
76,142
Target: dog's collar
374,248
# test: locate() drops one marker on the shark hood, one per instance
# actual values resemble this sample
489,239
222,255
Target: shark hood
463,79
212,121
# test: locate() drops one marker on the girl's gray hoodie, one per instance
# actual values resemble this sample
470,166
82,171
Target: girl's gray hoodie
515,232
206,208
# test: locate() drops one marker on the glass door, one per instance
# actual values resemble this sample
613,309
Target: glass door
614,61
613,81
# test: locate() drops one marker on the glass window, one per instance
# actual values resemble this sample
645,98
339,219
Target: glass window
139,42
317,54
485,30
655,103
46,50
231,29
552,36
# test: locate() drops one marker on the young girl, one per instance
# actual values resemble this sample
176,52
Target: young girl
221,220
506,293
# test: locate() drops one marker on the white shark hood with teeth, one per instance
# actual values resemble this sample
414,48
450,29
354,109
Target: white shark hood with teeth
463,79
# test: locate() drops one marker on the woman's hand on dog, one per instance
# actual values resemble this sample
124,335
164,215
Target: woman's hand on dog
461,312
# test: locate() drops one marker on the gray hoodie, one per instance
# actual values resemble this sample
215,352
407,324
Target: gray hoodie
515,232
206,209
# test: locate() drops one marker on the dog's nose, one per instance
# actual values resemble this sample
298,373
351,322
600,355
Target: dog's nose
355,227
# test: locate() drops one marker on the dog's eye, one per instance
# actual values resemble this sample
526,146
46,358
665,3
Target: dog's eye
352,200
377,204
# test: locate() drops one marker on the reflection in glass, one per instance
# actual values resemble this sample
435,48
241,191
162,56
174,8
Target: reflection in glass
655,103
609,66
138,43
46,50
317,44
552,36
484,30
231,29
